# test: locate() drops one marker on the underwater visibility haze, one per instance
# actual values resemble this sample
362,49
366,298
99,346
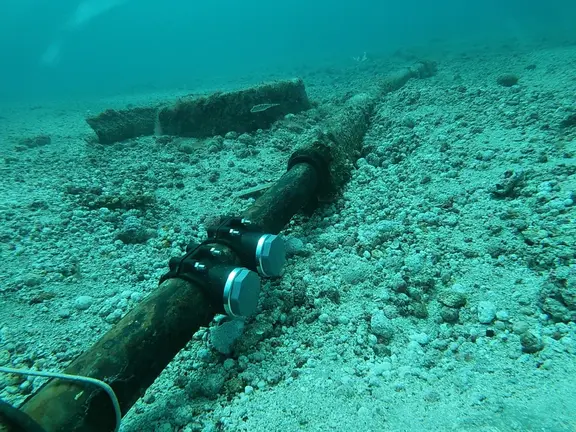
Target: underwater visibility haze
98,46
288,216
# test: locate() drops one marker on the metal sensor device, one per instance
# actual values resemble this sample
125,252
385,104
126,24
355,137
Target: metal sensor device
241,292
261,252
269,253
227,265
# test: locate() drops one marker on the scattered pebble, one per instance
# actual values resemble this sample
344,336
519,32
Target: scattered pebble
520,327
381,325
421,338
486,312
64,313
83,302
4,357
531,343
452,298
507,80
449,315
114,317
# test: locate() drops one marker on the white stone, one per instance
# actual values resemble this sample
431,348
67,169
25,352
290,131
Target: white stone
83,302
486,312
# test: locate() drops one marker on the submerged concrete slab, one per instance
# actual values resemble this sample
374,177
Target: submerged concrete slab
239,111
120,125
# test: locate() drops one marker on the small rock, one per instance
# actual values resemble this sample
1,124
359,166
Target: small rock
364,412
204,355
381,325
432,396
224,336
114,317
25,387
4,357
507,80
531,343
453,299
449,315
486,312
229,364
520,327
148,398
83,302
189,146
13,379
136,296
245,139
294,246
165,427
500,325
64,313
37,141
509,185
419,310
420,338
569,121
32,280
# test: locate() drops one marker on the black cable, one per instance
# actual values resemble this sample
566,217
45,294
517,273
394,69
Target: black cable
17,420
